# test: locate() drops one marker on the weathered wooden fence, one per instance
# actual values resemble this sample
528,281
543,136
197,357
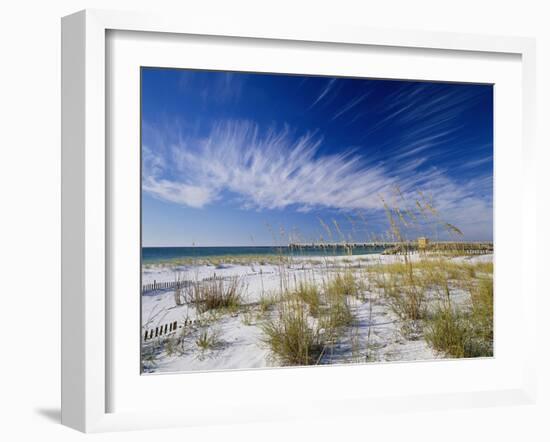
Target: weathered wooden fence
168,328
161,330
163,285
172,285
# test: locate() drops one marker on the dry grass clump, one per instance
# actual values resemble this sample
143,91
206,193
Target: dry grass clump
207,339
267,302
336,308
338,314
483,268
482,314
214,294
310,317
407,300
403,290
419,293
343,284
309,293
447,331
437,270
290,336
466,332
405,285
432,270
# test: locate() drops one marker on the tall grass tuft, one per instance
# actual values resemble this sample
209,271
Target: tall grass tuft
343,284
482,316
309,293
403,291
447,331
337,312
207,339
467,332
290,336
214,294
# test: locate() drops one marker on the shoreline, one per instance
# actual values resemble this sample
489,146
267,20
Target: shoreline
249,257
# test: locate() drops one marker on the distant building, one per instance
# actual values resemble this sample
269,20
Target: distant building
422,242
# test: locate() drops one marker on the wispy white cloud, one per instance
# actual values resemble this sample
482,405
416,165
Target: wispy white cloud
276,169
324,92
478,162
222,86
270,170
351,105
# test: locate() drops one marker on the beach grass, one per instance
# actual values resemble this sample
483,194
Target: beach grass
422,290
214,294
464,332
207,339
306,308
343,283
311,313
290,336
310,318
309,292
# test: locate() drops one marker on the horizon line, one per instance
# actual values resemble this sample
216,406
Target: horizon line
320,244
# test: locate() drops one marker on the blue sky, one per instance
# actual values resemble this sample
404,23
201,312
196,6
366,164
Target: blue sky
261,159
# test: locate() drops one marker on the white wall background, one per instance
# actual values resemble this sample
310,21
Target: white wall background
30,214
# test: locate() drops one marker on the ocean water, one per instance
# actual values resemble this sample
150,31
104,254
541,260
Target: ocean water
162,254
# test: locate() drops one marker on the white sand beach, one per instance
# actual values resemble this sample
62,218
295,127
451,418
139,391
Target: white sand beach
376,335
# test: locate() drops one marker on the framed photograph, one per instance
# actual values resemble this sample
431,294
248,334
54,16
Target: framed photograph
262,222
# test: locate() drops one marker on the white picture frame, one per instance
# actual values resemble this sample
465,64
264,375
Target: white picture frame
86,208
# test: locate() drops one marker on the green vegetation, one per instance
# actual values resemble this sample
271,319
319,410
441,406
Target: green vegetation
343,284
215,293
207,339
421,291
290,336
309,293
315,308
337,314
464,332
218,261
308,319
